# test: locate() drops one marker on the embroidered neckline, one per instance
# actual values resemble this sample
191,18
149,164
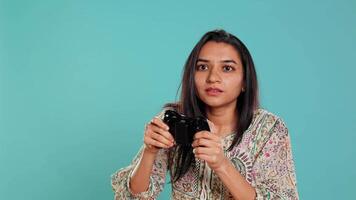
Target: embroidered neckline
255,114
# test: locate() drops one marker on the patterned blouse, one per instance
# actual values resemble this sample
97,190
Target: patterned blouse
263,157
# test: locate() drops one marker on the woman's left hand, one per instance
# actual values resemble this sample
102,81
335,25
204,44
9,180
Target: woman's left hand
208,147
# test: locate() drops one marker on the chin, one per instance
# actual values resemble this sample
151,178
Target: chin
217,102
213,102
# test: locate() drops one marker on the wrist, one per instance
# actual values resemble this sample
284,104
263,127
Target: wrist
222,168
150,151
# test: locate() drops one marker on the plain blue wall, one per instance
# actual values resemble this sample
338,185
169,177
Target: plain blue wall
79,79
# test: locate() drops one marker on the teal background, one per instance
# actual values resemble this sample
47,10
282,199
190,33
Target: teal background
79,79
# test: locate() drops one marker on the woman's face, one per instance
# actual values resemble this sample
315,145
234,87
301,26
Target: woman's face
219,74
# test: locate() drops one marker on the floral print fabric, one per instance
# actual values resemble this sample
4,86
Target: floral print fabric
263,157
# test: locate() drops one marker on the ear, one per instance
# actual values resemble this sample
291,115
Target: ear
243,88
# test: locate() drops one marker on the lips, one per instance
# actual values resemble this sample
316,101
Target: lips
213,89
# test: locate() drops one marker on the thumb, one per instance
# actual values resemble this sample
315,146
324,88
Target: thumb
211,126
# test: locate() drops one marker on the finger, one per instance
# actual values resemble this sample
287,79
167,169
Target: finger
202,142
146,126
203,134
204,157
156,133
160,138
207,135
206,151
157,121
162,132
212,127
150,141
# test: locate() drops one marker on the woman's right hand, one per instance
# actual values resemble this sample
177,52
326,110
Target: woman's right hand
156,136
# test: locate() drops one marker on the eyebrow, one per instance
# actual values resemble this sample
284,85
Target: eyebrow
222,61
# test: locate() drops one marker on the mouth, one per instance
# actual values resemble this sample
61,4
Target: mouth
213,91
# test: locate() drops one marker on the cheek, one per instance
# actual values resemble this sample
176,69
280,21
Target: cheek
234,86
198,81
234,82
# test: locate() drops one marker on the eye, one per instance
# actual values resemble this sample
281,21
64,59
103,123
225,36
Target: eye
201,67
228,68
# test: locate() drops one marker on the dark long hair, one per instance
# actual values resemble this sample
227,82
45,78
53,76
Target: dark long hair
190,104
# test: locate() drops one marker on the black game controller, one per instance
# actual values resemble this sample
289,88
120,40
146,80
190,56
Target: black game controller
183,128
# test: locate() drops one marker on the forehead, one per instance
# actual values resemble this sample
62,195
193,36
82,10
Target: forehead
218,50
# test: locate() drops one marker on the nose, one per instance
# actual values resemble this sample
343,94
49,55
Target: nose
213,76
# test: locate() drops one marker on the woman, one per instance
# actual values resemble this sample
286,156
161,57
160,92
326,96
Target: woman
246,155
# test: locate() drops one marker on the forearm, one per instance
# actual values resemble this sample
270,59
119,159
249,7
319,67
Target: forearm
140,179
235,182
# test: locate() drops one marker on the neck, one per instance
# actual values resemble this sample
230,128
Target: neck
224,119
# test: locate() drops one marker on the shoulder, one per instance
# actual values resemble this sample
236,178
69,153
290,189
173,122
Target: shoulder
168,106
265,124
268,118
265,113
